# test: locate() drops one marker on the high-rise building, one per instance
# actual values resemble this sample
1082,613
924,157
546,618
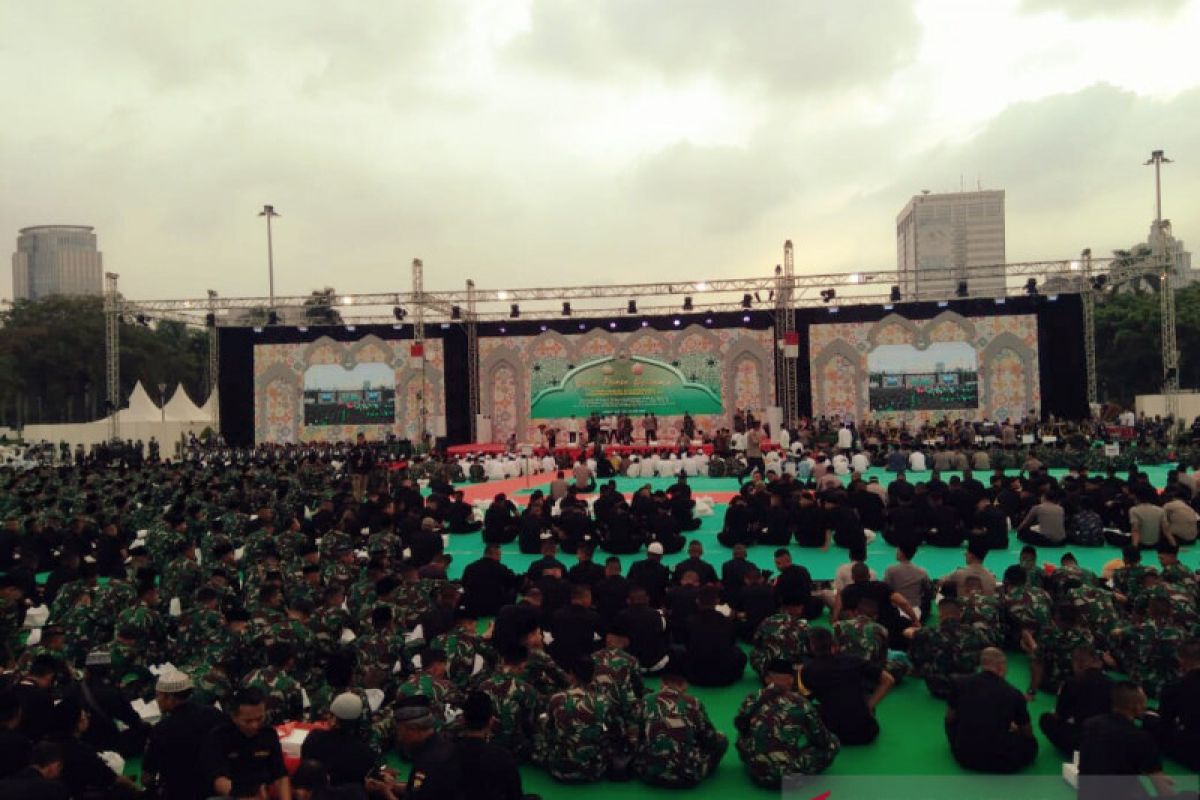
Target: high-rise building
56,259
945,239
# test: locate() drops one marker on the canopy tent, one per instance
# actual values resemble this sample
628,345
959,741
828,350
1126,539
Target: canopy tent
180,408
141,408
207,411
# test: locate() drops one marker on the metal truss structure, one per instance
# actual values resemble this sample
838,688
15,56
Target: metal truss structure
778,293
112,353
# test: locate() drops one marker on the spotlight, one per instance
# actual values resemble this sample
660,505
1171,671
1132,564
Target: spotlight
347,301
708,320
210,320
351,328
828,294
542,328
746,318
943,303
961,289
676,323
1053,298
257,330
302,328
645,323
272,317
833,309
397,326
566,312
582,326
888,306
455,312
612,325
1031,286
503,329
747,301
1000,301
895,296
399,313
514,311
687,303
632,307
701,287
501,295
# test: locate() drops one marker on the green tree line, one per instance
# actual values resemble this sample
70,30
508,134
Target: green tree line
52,360
1129,343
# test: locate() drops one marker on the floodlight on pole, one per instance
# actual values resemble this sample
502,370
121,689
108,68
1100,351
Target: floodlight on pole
269,212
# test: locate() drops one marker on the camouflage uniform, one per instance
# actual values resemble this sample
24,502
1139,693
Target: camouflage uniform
285,697
441,693
1183,605
1150,650
581,734
151,632
516,705
327,625
198,629
543,674
1128,580
952,648
984,610
1097,611
679,746
1024,608
181,579
862,637
462,647
780,635
619,673
780,733
378,653
1054,648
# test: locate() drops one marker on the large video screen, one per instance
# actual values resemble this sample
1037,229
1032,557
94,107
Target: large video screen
916,370
901,377
328,390
552,381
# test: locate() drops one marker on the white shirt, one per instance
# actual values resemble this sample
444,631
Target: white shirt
845,438
860,462
916,461
841,465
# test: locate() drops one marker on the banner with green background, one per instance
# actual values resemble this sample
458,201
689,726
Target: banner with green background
626,385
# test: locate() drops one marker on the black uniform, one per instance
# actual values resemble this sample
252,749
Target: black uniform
980,736
1080,698
14,752
249,763
652,576
345,755
837,683
576,634
435,771
488,585
28,784
489,772
1179,731
106,705
1113,746
36,705
712,656
647,634
171,752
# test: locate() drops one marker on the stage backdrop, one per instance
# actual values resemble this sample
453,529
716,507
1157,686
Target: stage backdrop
951,365
329,390
530,381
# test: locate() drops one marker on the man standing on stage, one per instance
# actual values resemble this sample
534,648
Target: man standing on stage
362,463
650,426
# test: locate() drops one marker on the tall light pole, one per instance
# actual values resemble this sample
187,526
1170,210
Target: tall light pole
269,212
1166,293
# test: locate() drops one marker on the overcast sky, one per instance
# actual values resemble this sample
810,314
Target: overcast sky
543,142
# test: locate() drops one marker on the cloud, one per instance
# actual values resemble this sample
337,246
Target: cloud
784,46
1084,9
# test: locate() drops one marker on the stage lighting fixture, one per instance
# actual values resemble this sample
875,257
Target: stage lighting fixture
399,313
676,323
708,320
582,326
943,303
501,295
687,303
1053,298
503,329
645,323
257,330
351,328
747,301
456,312
542,328
746,318
566,312
272,317
632,307
895,294
1000,301
210,320
612,325
701,287
828,294
514,311
961,289
1031,286
833,309
888,307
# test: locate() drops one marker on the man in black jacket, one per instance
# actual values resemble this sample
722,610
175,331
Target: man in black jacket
575,629
487,584
711,655
1087,694
170,768
651,575
38,781
341,749
106,706
489,772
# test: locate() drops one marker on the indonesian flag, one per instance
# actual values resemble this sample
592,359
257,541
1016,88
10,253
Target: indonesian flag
416,355
791,344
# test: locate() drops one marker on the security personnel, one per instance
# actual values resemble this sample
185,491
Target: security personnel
170,768
987,722
435,769
245,757
341,748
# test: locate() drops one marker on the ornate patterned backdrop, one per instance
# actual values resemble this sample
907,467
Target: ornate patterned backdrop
511,368
279,387
1006,347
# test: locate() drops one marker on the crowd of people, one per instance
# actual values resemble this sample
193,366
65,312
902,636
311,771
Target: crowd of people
310,585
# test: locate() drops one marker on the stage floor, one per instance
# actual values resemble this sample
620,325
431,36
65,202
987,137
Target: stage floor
912,741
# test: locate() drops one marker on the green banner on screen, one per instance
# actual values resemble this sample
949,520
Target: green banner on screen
624,385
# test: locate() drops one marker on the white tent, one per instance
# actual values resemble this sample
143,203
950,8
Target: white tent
180,408
141,408
207,410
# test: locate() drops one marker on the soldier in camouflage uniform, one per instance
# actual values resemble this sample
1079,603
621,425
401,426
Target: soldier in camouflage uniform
1180,601
1050,660
431,682
12,598
980,609
515,702
329,620
1128,580
860,635
201,626
1176,573
465,649
182,577
1149,648
581,736
679,746
1024,609
783,635
146,621
780,733
618,672
285,696
378,652
540,670
952,648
